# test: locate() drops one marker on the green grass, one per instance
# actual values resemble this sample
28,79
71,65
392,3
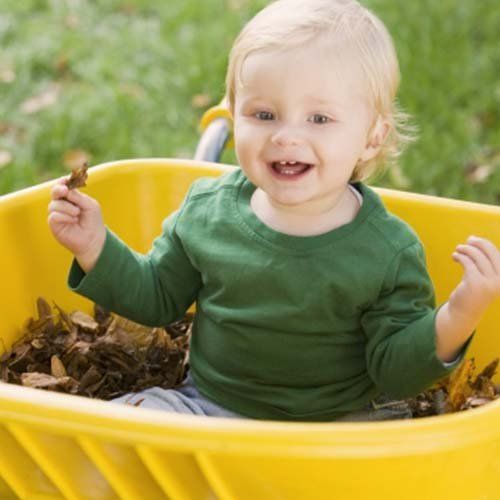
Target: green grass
128,70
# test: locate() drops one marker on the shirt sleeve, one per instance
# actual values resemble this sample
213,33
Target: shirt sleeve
153,289
400,329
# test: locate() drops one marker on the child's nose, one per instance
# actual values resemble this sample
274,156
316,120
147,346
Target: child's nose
286,136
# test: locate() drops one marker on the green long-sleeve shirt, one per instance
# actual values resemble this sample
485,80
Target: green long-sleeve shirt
286,327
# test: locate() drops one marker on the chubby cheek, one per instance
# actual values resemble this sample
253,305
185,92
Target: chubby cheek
240,148
344,150
247,145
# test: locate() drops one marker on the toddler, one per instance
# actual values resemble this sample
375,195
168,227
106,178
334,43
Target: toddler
313,301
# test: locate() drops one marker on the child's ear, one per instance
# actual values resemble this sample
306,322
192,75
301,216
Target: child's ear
376,139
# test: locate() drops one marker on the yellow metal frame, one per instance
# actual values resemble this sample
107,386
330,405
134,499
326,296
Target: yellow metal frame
212,114
61,446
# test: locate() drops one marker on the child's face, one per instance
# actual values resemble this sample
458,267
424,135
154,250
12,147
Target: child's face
293,107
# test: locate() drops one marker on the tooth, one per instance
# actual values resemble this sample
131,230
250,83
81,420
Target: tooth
282,162
292,162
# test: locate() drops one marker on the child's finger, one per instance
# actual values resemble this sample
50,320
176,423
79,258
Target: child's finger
62,218
65,207
466,262
84,201
489,249
478,258
59,191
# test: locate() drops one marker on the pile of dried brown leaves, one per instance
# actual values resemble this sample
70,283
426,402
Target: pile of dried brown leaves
106,356
458,392
103,357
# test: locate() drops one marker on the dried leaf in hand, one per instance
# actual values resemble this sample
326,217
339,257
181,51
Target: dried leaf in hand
78,177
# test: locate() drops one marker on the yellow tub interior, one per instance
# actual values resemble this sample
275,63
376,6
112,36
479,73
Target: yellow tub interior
59,446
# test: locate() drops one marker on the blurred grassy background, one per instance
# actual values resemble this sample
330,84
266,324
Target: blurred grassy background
131,78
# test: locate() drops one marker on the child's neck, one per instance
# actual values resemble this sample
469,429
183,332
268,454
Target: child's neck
305,220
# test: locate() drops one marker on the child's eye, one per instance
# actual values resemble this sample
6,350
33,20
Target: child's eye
264,115
320,119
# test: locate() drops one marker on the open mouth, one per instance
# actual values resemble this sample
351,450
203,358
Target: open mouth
290,169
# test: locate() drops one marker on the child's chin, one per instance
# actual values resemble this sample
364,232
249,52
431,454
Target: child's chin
290,200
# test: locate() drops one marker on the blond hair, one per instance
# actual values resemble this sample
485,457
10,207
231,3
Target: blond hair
348,28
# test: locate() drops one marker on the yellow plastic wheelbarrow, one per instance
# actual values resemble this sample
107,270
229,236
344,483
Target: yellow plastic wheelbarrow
61,446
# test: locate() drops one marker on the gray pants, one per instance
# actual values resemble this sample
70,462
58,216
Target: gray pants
182,399
380,408
187,399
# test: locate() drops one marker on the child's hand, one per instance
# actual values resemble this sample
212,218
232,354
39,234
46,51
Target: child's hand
76,222
480,284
